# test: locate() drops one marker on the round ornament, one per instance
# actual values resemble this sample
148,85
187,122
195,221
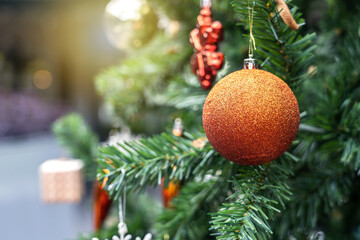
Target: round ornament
251,117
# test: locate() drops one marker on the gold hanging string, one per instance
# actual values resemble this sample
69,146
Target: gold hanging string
252,44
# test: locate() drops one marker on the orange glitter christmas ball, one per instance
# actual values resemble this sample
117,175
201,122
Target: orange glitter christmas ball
251,117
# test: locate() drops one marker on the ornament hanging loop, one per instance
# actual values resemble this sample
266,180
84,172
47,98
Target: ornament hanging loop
252,44
205,3
122,228
251,63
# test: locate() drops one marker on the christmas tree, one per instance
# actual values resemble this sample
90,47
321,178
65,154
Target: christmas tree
309,192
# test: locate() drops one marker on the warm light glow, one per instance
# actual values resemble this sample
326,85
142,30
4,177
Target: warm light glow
121,21
125,10
42,79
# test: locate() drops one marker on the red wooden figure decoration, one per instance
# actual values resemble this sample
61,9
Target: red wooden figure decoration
206,60
169,192
102,203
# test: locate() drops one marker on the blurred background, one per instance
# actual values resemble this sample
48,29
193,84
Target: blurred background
51,51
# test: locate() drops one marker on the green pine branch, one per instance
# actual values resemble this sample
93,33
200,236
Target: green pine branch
259,194
76,136
340,92
135,84
284,52
185,94
188,216
326,176
148,160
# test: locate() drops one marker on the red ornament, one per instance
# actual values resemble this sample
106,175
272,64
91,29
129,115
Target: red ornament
102,204
206,61
169,192
251,117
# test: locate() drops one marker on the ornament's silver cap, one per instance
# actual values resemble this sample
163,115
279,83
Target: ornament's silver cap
205,3
250,63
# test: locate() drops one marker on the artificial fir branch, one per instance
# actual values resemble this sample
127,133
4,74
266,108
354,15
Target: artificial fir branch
290,52
185,219
189,211
148,160
324,179
259,191
76,136
136,83
185,94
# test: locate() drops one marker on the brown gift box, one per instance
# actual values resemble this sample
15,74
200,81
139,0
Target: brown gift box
61,181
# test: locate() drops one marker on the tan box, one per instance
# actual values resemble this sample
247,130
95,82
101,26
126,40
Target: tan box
61,180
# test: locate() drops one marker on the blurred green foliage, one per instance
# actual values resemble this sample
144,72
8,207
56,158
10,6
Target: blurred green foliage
76,136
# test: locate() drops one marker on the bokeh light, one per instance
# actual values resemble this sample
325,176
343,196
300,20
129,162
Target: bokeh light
42,79
125,10
129,24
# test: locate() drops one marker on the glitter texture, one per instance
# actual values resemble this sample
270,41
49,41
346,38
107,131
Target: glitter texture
251,117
